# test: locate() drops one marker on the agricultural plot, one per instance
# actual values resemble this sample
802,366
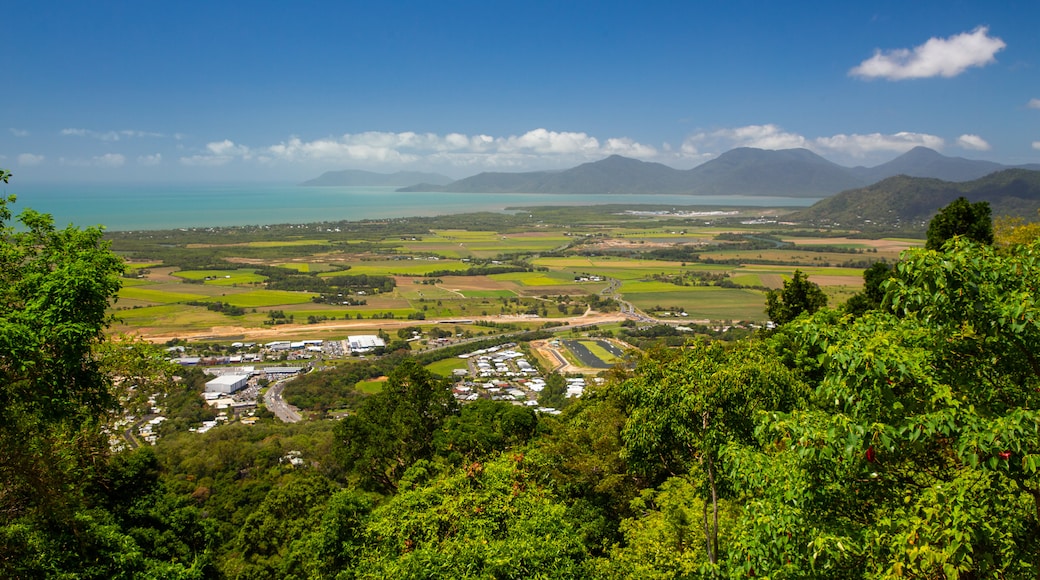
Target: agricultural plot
488,293
153,295
594,354
399,267
259,298
704,302
536,278
169,318
222,277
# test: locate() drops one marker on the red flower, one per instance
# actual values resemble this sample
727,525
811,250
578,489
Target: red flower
870,454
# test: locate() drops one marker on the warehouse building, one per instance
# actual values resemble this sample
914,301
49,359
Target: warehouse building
227,383
365,342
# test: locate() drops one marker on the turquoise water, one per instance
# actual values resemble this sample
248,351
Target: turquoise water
149,207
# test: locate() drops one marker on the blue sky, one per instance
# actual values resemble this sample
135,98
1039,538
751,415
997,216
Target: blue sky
282,91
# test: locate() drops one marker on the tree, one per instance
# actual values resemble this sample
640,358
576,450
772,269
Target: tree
919,455
798,296
684,407
961,218
55,397
873,290
55,286
1011,231
396,427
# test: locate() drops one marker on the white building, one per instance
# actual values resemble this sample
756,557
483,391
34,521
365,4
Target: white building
227,383
364,342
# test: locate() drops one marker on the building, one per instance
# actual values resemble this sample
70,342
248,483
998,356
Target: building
227,383
364,342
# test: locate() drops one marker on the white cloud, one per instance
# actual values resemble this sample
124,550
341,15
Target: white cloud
149,160
859,146
19,132
536,148
1036,144
946,57
544,149
29,159
758,136
1033,104
218,153
973,142
109,160
770,136
228,148
108,135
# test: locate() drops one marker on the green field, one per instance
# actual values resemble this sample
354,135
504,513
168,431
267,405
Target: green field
444,367
614,246
258,298
399,267
222,277
488,293
600,352
151,294
705,302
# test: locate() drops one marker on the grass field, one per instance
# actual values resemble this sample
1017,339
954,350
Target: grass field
157,296
399,267
222,277
370,387
488,293
444,367
600,352
705,302
258,298
156,301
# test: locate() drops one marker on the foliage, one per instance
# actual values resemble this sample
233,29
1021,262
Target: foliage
394,428
920,453
1012,231
60,517
683,407
961,218
873,291
487,520
483,427
798,296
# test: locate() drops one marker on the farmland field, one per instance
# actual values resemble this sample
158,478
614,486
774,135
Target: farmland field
561,269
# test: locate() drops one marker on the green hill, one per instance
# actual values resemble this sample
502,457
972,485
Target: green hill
910,202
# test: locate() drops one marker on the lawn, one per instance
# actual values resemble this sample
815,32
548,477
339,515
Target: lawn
369,387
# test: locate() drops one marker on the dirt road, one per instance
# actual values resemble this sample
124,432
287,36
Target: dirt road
284,331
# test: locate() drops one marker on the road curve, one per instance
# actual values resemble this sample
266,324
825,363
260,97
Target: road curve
277,405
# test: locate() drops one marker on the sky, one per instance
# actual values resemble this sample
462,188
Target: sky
265,91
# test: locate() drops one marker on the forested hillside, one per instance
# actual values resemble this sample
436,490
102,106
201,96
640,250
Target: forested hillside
908,203
899,438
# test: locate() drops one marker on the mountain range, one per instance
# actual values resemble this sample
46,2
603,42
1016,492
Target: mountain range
742,171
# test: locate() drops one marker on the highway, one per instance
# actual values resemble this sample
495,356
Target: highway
277,405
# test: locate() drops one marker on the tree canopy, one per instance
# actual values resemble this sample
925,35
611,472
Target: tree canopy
799,295
961,218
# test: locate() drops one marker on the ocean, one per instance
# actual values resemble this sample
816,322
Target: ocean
125,207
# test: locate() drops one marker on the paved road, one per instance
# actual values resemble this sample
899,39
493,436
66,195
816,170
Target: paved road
277,405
